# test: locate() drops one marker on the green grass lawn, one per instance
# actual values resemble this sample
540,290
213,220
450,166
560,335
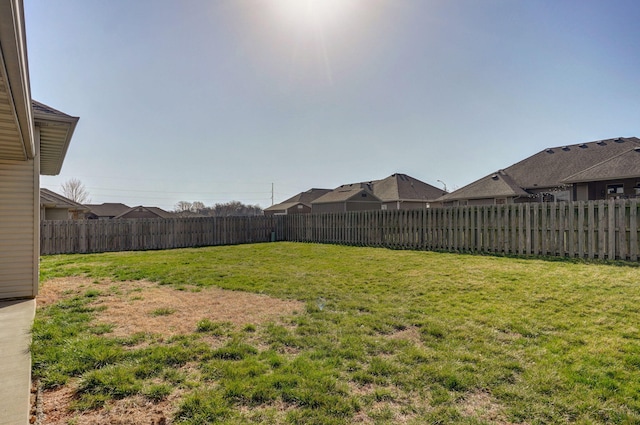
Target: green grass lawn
386,337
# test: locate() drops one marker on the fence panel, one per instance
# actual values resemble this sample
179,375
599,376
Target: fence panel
595,229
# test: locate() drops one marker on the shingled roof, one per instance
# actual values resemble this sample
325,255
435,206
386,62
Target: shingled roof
622,166
108,209
159,212
346,192
50,199
401,187
550,167
555,167
301,198
495,185
396,187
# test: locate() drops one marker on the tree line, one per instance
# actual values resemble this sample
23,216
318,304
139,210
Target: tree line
227,209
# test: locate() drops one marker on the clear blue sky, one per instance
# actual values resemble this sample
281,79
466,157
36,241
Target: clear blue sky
215,100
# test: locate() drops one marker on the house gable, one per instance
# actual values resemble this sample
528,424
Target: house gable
348,197
56,207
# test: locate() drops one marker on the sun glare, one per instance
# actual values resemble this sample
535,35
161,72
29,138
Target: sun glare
311,41
313,14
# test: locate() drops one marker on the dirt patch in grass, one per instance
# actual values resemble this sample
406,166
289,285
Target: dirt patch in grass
128,411
481,405
133,307
411,334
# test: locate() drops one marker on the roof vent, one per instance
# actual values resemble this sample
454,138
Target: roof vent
566,148
602,143
619,140
637,149
549,151
583,145
495,177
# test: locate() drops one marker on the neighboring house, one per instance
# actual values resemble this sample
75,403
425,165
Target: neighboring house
145,212
396,192
403,192
348,197
298,204
57,207
596,170
106,210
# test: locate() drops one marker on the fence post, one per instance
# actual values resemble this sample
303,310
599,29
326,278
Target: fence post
633,230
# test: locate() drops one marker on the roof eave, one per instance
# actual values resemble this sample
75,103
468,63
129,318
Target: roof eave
601,179
59,145
14,68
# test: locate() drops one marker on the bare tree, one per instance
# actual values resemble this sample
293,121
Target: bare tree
236,208
197,207
75,190
183,207
228,209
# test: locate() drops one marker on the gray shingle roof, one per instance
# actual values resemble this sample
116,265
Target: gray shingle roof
346,192
283,206
496,185
401,187
108,209
301,198
154,210
550,167
621,166
555,167
396,187
51,199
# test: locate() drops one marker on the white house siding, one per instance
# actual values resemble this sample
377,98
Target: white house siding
18,233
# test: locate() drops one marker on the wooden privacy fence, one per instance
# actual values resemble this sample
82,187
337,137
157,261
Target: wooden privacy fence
595,229
86,236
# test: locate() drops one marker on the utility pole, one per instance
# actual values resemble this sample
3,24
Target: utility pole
271,194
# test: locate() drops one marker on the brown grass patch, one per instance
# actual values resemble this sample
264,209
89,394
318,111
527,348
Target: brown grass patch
130,306
411,334
128,411
481,405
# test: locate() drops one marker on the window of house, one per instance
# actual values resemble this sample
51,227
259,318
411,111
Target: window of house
636,188
384,207
299,207
501,201
615,189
